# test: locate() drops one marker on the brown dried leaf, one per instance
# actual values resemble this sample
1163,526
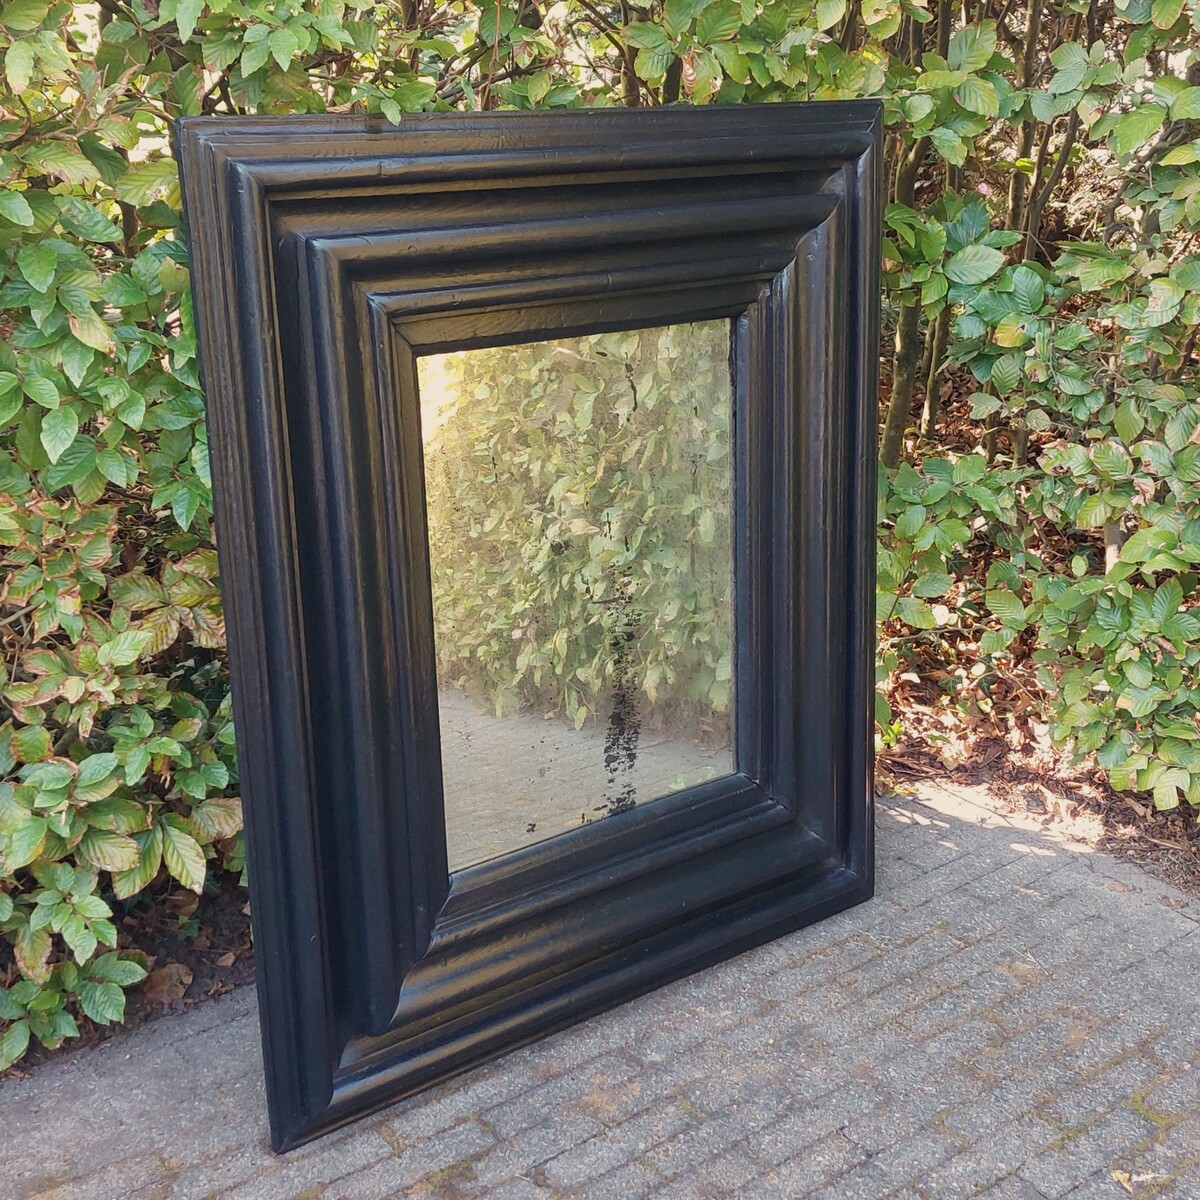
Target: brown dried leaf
183,904
168,984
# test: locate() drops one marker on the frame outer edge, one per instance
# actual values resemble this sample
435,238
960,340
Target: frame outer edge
252,514
868,180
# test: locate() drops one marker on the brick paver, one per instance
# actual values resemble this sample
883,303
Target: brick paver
1011,1017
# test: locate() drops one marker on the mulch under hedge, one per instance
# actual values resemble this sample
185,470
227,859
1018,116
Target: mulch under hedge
196,948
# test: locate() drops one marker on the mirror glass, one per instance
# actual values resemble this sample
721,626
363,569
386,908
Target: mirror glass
579,498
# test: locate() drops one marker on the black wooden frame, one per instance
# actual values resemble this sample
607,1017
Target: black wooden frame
328,253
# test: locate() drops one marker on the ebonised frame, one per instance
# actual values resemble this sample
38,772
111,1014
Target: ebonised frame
328,253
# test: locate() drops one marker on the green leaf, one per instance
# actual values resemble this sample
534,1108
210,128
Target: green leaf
284,45
1164,13
15,208
187,12
76,358
932,585
94,780
972,47
1007,607
182,853
81,941
75,465
910,521
31,743
18,66
1138,673
994,641
1186,106
1006,372
256,51
1187,273
1132,130
137,590
978,96
881,17
678,15
59,429
940,79
974,264
140,183
949,145
1093,512
24,14
1111,459
971,468
32,952
1182,156
13,1043
41,391
109,851
38,263
1168,786
1129,423
103,1002
92,330
1028,288
733,62
1167,599
63,159
129,883
24,843
123,650
220,817
829,13
720,21
915,613
646,35
653,64
112,968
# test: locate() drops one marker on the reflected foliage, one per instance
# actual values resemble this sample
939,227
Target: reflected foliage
578,498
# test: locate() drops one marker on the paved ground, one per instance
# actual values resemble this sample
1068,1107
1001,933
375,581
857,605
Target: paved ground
1008,1018
513,781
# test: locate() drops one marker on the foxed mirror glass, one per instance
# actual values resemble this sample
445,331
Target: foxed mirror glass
578,500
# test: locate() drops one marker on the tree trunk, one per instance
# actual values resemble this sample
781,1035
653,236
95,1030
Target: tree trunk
1018,184
904,368
939,332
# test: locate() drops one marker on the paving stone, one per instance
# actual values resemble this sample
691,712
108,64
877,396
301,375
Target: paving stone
818,1165
1077,1155
988,1162
629,1182
515,1189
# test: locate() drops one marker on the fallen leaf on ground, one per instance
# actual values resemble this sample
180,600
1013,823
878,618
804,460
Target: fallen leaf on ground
168,984
183,904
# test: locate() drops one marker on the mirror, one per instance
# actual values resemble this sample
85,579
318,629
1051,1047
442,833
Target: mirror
578,498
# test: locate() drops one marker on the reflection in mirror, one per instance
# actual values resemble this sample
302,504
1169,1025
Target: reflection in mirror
578,498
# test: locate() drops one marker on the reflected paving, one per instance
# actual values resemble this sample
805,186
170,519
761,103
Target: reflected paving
513,781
